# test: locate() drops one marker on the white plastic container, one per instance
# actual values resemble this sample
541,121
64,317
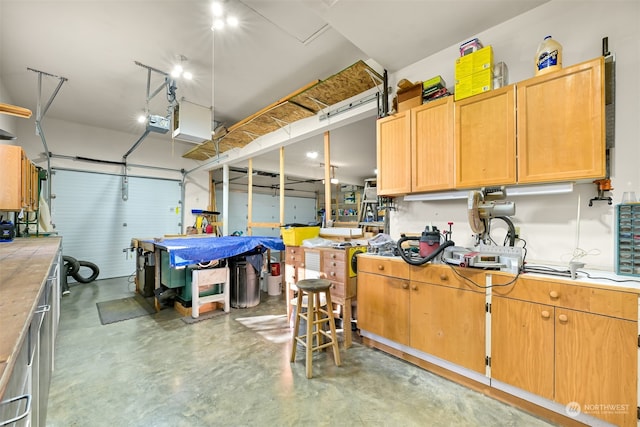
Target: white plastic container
549,56
274,285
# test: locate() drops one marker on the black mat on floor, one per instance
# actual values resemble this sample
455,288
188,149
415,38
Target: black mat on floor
121,309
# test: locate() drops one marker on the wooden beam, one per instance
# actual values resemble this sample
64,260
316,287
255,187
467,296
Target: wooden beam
327,177
14,110
250,197
265,224
281,185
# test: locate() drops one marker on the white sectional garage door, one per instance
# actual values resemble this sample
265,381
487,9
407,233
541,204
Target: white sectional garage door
96,225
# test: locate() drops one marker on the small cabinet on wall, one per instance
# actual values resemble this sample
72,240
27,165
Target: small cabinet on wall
18,179
549,128
432,146
393,148
415,149
561,124
485,139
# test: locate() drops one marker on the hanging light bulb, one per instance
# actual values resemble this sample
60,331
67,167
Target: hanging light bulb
220,18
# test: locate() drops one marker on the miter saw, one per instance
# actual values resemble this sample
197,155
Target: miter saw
483,206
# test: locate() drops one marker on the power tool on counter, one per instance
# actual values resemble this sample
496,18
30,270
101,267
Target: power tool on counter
483,206
431,244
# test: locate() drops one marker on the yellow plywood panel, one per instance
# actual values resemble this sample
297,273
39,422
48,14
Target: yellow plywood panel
303,103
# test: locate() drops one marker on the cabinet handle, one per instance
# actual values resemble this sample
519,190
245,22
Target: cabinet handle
333,264
444,277
333,256
43,309
380,267
414,287
563,318
302,264
26,412
333,273
545,314
554,294
405,286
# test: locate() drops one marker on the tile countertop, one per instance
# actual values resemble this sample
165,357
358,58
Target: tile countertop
24,268
584,276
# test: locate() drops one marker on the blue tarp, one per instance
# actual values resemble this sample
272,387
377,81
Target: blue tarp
187,251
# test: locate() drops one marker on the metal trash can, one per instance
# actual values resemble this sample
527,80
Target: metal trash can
245,288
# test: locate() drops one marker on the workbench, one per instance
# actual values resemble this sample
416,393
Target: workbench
29,315
199,250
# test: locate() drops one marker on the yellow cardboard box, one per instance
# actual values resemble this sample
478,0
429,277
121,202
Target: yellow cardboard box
474,62
474,84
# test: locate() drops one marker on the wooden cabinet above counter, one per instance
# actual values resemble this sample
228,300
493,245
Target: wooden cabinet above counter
19,180
549,128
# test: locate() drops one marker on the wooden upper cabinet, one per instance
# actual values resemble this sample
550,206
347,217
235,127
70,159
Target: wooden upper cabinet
432,146
13,186
394,154
485,139
561,130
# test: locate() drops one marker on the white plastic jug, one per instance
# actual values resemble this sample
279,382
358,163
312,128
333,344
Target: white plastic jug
549,56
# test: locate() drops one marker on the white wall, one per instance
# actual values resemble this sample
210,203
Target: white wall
550,224
7,122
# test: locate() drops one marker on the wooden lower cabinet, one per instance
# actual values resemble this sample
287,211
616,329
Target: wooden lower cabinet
522,345
567,356
449,323
597,365
562,341
383,306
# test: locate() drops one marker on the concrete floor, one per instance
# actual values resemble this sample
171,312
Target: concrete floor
234,370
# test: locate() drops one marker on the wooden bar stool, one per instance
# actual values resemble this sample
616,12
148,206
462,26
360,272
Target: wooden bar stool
315,317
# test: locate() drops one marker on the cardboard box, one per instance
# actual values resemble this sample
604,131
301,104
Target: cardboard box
433,83
474,84
474,62
410,97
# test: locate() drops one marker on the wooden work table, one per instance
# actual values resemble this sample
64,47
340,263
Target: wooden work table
25,267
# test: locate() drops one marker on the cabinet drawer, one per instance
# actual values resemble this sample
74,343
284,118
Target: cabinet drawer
294,255
607,302
334,255
384,266
334,270
337,291
445,276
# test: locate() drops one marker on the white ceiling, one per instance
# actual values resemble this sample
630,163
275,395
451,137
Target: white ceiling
280,46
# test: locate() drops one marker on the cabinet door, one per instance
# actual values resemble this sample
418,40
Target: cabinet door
561,132
596,365
383,306
10,178
432,146
35,188
522,345
449,323
485,139
394,154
